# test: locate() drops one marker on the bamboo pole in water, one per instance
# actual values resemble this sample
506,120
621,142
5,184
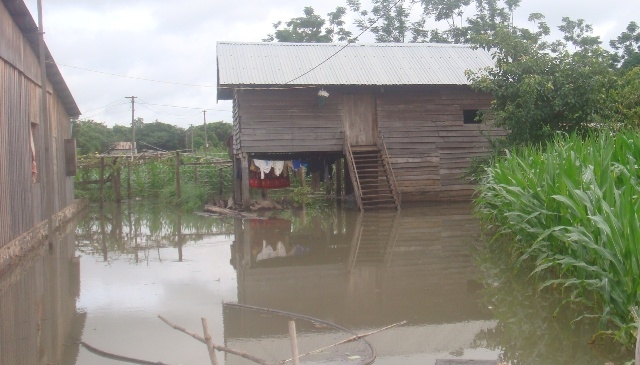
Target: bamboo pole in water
196,336
207,338
178,192
294,342
101,181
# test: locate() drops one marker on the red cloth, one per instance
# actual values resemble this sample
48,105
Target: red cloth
270,183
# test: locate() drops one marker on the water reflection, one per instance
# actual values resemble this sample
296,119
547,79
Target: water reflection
360,271
369,270
38,316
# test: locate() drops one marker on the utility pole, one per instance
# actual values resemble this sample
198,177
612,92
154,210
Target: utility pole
133,126
48,182
206,139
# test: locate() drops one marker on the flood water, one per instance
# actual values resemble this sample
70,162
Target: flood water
113,271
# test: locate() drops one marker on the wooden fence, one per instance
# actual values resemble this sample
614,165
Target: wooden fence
111,169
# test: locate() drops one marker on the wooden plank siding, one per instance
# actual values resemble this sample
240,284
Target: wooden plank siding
21,201
275,121
429,145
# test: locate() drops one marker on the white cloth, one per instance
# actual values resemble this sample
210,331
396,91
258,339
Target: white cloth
278,166
264,166
268,252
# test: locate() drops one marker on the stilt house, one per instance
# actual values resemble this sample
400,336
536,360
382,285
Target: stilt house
35,171
402,116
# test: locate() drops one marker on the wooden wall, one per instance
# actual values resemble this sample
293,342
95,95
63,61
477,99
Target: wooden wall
429,145
21,201
287,121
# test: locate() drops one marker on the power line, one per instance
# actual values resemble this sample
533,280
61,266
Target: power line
185,107
133,77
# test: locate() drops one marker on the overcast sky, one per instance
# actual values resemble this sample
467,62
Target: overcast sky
175,42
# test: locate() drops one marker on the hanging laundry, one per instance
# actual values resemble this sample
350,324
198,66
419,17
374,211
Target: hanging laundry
264,166
296,165
278,166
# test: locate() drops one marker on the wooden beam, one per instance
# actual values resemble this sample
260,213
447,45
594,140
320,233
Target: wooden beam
246,193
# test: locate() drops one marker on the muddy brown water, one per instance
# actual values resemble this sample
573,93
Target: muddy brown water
113,271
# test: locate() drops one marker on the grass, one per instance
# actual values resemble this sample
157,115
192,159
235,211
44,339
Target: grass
569,215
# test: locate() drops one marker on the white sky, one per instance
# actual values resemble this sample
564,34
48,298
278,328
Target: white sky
174,41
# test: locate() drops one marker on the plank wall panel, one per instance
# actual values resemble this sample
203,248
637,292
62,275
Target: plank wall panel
21,201
428,126
288,121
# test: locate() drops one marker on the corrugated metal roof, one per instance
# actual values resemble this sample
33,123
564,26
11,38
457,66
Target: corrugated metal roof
356,64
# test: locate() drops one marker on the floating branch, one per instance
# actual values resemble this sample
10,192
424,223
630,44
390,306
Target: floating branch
119,357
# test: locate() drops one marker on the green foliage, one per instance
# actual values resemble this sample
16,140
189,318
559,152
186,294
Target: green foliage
573,212
628,47
541,88
92,137
309,28
155,180
388,20
163,136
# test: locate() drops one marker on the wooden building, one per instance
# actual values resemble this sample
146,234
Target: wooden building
402,115
25,187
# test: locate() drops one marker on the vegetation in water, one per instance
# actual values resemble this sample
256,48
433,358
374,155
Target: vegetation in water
155,179
569,215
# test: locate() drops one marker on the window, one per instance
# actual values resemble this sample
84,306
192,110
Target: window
472,116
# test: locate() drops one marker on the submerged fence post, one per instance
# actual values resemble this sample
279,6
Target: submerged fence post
178,193
128,179
294,343
220,183
101,181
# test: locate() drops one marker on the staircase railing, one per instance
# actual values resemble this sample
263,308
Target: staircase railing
389,170
355,181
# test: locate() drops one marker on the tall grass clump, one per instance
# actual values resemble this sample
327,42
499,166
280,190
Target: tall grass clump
569,213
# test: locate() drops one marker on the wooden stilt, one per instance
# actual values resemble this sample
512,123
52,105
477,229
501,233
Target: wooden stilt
246,194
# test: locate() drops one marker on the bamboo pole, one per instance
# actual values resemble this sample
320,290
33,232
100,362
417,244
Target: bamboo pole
220,183
217,347
352,338
178,192
294,342
207,338
101,181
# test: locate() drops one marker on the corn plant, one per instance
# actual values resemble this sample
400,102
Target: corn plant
569,213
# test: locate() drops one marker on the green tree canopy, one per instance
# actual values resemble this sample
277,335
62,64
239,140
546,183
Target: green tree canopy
92,137
310,28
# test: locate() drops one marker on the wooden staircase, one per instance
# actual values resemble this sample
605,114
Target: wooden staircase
372,177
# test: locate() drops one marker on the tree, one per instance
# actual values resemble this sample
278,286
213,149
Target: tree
92,137
627,46
388,20
159,135
309,28
542,87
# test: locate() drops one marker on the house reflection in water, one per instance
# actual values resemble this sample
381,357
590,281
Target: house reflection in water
366,271
38,306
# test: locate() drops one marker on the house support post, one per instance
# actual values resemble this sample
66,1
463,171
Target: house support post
237,182
246,196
